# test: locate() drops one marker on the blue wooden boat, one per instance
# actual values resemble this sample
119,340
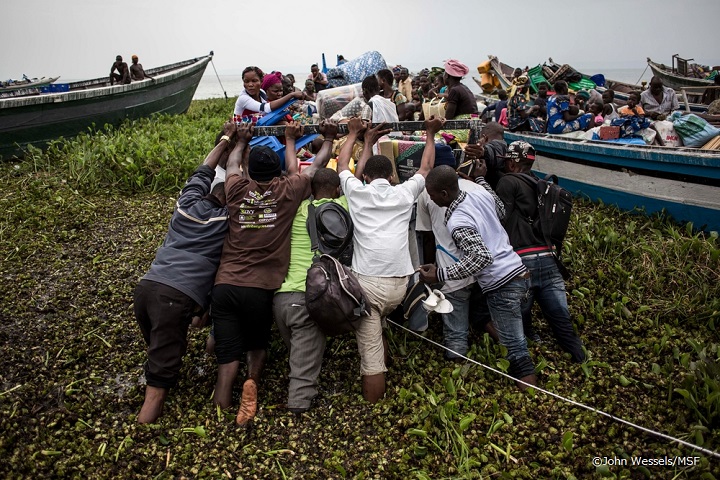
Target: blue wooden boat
38,118
685,182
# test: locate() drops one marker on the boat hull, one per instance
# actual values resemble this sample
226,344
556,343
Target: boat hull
674,80
690,163
685,202
39,119
683,181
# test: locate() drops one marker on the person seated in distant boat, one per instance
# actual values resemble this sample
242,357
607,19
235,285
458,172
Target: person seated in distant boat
341,60
712,93
439,89
461,103
541,99
498,106
137,72
609,107
385,80
253,101
460,100
424,84
318,77
596,109
123,73
563,117
658,101
309,91
632,117
396,76
633,108
382,110
520,114
405,83
288,82
582,97
416,105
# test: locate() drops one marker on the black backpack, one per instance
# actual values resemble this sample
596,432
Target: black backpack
554,210
334,298
331,231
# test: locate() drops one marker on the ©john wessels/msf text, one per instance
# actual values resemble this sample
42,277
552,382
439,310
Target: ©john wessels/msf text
646,461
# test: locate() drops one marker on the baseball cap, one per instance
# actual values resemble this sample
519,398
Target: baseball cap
520,150
263,164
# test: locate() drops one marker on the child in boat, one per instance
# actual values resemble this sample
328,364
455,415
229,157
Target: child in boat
596,109
633,107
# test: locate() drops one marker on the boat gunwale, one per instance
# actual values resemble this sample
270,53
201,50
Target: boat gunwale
689,152
86,90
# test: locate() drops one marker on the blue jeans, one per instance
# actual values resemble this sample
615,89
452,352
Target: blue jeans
456,323
548,288
505,305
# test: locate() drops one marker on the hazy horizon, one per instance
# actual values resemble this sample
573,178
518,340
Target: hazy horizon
79,39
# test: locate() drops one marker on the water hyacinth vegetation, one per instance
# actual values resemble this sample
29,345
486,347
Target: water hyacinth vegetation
81,223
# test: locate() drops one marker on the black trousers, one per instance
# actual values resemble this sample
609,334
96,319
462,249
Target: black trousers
164,315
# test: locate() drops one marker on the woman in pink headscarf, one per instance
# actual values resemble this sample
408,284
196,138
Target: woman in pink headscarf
272,84
460,100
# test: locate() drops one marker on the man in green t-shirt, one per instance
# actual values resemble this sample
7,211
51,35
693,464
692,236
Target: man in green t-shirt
302,336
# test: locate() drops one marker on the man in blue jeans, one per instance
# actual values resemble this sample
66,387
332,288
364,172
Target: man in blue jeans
473,221
548,287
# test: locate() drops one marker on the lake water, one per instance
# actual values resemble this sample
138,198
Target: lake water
210,87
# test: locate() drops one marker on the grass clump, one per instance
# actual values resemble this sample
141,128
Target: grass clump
644,296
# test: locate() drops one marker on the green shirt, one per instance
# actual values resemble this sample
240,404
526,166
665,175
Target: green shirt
300,254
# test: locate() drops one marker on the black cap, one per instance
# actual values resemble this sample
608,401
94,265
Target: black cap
264,164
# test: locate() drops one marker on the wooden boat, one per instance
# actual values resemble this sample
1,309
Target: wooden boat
678,77
28,83
40,118
623,89
684,181
684,201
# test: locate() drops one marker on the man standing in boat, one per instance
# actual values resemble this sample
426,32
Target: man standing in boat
123,75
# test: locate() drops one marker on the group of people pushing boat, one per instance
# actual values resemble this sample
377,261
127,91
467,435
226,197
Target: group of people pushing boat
238,249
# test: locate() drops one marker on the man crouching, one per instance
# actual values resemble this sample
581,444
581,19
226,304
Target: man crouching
178,284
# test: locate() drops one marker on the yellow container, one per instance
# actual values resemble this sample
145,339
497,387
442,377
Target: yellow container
484,67
486,82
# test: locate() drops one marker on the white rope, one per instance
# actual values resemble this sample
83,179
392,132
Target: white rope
586,407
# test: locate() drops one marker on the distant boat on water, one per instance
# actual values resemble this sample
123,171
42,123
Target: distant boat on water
684,74
25,83
37,118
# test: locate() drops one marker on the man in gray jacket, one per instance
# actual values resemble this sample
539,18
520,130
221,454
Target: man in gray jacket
178,284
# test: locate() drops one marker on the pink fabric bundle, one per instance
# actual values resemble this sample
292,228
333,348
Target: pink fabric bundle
271,79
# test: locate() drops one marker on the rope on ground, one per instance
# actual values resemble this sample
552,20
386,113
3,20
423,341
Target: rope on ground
573,402
218,77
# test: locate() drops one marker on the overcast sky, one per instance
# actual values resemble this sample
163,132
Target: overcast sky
79,39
